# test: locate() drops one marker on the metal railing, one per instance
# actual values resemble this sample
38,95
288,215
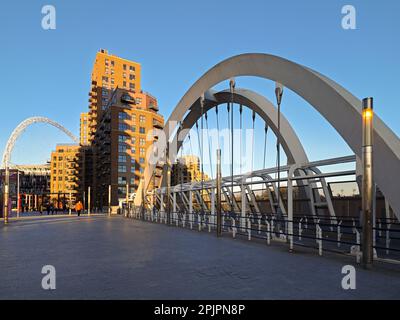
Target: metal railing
319,233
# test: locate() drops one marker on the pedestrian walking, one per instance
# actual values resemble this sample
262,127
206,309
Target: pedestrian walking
78,208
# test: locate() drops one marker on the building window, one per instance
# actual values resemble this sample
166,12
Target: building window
122,138
112,63
132,180
122,158
124,66
124,84
122,127
104,92
134,117
141,160
131,68
142,142
133,128
133,140
122,147
141,170
141,151
105,79
142,119
132,86
121,180
133,150
122,168
132,169
142,130
133,161
121,190
131,77
123,116
112,80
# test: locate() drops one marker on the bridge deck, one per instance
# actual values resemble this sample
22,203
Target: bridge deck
107,258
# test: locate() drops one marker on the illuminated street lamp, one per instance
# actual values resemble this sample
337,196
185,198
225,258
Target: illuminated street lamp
367,181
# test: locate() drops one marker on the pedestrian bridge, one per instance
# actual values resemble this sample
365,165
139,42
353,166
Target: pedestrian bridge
301,202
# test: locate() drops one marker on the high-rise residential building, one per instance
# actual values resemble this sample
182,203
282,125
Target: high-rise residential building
84,129
109,72
64,173
187,169
124,134
119,119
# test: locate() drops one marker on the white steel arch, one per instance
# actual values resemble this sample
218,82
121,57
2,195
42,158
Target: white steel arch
21,128
337,105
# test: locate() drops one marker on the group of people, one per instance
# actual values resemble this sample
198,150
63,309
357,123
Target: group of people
52,208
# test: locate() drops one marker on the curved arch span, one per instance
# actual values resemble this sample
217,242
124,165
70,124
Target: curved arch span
21,128
337,105
291,144
261,105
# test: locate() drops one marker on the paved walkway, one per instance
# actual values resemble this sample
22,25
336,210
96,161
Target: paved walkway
113,258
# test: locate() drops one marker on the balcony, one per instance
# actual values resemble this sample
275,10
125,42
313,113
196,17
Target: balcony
126,98
157,124
153,107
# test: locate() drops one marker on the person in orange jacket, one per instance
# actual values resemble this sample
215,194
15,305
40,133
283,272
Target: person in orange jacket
78,207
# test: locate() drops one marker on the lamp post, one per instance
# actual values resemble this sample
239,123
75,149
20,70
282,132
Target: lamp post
70,203
18,195
278,95
109,200
127,200
168,203
218,189
88,200
6,193
367,181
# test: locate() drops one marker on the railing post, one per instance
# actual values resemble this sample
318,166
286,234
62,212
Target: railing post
191,209
367,182
218,189
290,209
161,212
212,214
243,211
174,209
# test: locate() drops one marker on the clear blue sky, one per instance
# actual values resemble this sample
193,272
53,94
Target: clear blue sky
48,72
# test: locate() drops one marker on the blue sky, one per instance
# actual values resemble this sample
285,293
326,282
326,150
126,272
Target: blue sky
48,72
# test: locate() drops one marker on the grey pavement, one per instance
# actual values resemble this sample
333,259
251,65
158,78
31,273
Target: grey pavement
116,258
